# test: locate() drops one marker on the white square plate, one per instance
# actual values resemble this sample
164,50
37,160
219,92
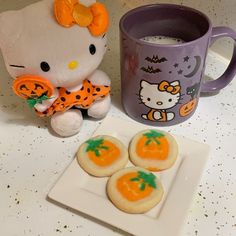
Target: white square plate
84,193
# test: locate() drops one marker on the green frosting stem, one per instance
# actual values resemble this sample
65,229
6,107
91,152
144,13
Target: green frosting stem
153,136
94,145
145,179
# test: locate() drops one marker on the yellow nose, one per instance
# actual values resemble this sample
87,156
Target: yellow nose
73,65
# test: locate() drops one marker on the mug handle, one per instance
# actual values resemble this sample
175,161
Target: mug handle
227,77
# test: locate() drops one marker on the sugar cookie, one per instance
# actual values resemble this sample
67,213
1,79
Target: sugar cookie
102,155
134,190
154,150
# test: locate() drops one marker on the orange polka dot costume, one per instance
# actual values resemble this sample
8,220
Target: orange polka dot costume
35,87
84,98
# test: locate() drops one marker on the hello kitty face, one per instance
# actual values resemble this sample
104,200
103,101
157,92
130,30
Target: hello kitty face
160,96
32,42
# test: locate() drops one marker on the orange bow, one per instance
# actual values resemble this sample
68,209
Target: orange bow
166,86
70,12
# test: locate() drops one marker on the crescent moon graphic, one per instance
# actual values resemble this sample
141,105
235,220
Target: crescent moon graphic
196,68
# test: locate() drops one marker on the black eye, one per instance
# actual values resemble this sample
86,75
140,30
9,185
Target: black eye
170,100
149,99
92,49
45,66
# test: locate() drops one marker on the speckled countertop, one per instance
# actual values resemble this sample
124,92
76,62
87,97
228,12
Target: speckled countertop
32,159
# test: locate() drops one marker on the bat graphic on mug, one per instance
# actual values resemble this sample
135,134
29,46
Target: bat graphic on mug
150,70
156,59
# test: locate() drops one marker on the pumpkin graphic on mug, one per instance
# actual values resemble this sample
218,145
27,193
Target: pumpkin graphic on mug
188,107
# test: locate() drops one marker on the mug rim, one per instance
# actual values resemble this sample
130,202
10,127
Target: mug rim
164,5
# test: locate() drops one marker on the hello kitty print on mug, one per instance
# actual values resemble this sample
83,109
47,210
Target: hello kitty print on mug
159,98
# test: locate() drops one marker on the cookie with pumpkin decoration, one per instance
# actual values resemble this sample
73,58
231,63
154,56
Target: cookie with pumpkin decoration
154,150
134,190
102,155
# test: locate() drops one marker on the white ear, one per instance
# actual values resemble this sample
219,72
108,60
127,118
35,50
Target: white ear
87,2
10,28
174,83
144,84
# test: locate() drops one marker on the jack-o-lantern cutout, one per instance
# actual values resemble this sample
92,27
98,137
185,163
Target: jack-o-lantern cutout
32,87
188,107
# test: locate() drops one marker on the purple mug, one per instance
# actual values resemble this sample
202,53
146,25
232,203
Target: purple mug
161,83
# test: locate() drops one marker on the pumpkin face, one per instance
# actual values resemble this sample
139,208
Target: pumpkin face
188,108
153,145
33,87
135,186
134,190
102,152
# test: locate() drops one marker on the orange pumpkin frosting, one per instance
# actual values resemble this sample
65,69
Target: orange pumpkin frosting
154,150
134,190
133,186
153,145
102,152
102,155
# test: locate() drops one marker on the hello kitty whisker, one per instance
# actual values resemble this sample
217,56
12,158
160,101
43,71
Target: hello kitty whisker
17,66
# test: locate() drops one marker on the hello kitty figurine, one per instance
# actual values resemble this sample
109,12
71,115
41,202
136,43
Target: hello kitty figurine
53,49
159,98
